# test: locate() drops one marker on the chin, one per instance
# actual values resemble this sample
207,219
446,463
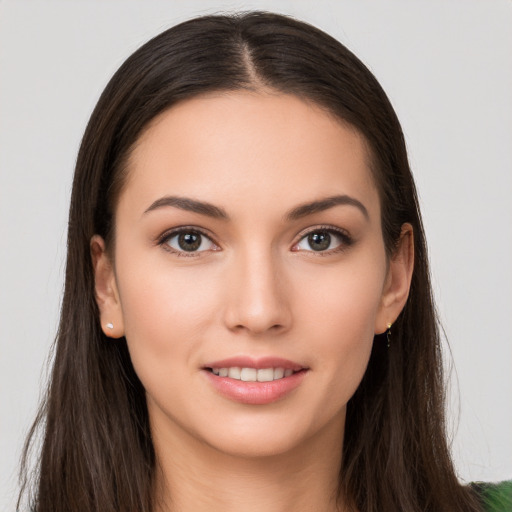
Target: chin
272,435
255,444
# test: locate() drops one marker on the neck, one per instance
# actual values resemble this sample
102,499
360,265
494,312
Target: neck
195,477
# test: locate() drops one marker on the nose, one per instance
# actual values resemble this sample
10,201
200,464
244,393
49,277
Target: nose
258,296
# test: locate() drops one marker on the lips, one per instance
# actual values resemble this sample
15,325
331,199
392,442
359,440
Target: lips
254,381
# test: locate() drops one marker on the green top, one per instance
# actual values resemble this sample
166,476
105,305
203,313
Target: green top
495,497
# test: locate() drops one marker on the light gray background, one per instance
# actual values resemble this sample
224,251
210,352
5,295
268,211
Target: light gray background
447,68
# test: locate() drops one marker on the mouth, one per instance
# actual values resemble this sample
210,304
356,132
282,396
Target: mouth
255,381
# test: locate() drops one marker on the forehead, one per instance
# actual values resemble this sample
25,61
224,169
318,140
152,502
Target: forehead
254,149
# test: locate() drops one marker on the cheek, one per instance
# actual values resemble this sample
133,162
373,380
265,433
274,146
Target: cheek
165,315
339,313
343,300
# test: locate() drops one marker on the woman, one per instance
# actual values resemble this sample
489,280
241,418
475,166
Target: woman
247,319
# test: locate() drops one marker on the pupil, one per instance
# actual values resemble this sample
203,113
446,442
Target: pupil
189,241
319,241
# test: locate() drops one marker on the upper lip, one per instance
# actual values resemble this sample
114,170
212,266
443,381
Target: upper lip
258,363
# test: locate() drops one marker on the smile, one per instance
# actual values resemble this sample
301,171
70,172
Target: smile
254,381
253,374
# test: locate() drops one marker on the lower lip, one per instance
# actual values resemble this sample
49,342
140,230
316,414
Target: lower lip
255,393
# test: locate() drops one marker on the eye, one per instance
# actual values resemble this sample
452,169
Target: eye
188,241
323,240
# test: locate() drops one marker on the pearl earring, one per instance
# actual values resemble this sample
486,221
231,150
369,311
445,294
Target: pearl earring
110,325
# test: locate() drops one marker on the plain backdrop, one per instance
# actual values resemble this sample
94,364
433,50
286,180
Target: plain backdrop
447,68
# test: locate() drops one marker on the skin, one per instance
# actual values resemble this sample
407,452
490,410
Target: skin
254,288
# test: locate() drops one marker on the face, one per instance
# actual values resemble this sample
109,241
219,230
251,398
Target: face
250,274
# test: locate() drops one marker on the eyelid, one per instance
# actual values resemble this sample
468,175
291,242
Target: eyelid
170,233
346,237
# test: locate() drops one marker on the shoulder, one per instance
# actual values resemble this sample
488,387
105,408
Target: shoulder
495,497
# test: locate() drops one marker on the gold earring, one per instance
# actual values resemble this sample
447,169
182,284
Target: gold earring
388,334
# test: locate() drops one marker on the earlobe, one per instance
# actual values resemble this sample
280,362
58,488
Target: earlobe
106,292
398,281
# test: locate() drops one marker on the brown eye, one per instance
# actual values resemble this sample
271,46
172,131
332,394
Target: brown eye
323,240
189,241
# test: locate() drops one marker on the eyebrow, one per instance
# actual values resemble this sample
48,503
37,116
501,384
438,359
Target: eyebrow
190,205
321,205
303,210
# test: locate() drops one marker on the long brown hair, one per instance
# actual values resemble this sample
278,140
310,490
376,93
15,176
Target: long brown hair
97,453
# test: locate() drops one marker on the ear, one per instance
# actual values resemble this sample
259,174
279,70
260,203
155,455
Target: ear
107,296
398,281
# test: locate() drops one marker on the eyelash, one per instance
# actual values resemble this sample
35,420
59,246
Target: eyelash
346,240
168,235
344,236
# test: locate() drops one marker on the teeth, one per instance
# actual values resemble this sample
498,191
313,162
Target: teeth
249,374
278,373
234,373
252,374
266,375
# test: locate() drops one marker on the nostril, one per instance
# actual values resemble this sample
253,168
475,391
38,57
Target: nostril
257,309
